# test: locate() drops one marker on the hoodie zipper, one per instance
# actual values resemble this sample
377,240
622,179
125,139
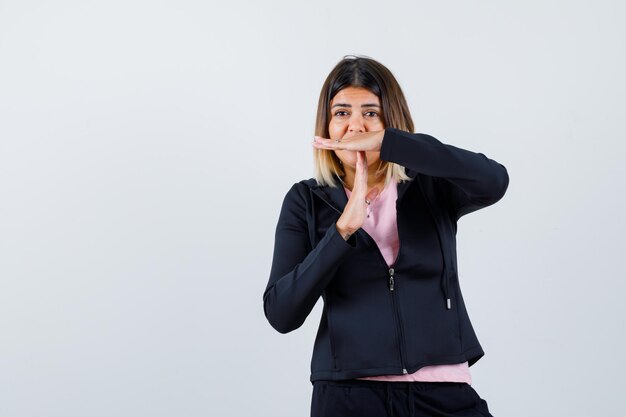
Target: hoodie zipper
392,285
397,313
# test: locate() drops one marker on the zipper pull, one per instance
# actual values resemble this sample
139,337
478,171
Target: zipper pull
391,280
404,371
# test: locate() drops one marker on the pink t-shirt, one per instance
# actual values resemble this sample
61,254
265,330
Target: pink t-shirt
381,225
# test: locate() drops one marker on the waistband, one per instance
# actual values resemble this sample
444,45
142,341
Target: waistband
384,385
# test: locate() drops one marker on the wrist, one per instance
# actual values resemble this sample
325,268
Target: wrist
381,136
344,231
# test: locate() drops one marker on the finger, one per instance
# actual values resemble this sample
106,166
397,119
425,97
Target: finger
360,176
324,146
359,165
324,143
363,162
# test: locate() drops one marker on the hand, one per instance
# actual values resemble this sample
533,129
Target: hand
355,211
369,141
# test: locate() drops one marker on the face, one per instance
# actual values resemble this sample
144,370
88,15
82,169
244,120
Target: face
355,110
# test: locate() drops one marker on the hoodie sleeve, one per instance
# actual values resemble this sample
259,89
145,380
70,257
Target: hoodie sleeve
299,274
469,180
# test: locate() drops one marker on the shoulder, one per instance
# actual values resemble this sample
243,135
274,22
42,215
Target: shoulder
299,193
303,186
434,189
296,203
308,183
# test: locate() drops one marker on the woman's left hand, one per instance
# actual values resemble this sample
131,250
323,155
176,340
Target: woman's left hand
369,141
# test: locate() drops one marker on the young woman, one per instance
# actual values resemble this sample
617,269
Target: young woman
374,235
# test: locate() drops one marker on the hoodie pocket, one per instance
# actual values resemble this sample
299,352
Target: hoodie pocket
364,333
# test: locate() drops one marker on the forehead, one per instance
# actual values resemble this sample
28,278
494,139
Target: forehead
355,95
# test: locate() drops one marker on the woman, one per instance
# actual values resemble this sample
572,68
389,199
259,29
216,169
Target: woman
374,235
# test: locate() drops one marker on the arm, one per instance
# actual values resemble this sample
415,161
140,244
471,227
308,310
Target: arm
299,275
469,180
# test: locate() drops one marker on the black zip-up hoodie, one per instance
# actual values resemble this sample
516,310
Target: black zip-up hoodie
378,320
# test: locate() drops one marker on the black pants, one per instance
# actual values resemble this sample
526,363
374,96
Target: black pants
364,398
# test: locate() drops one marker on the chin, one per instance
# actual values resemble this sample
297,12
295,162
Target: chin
349,158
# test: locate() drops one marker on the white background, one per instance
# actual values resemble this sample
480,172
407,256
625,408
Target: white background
146,147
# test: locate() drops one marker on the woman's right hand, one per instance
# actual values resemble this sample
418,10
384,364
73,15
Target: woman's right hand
355,211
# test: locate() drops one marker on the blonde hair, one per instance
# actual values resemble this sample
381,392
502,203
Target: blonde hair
364,72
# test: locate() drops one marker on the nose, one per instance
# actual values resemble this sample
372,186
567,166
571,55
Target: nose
356,123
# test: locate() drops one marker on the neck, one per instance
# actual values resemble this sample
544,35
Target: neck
372,179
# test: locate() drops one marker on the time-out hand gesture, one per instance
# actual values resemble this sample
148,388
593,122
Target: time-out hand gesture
355,211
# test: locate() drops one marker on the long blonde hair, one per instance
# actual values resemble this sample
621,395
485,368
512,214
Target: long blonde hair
364,72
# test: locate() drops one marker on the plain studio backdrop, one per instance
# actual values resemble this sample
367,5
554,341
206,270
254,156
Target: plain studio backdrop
146,147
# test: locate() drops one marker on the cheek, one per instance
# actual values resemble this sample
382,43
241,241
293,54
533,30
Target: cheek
337,128
335,132
372,157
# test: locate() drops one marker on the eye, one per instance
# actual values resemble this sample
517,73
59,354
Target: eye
340,111
372,112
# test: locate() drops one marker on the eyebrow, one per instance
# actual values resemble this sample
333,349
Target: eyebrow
350,105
